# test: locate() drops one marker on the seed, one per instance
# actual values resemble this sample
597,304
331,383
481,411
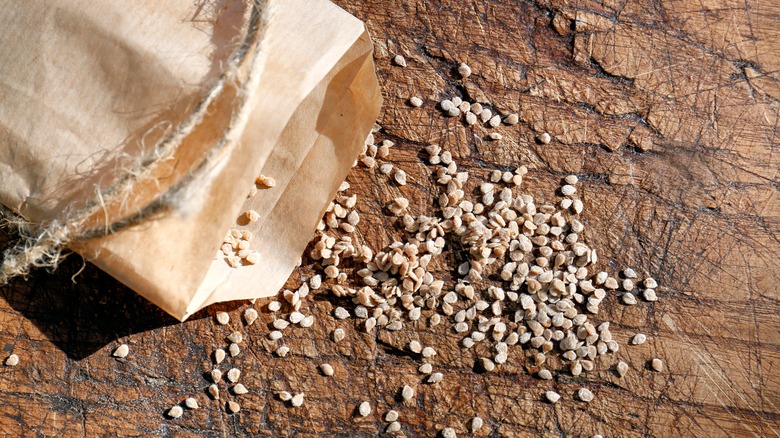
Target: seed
393,427
585,395
400,177
234,350
494,121
464,70
234,374
407,392
391,415
448,432
326,369
239,389
223,318
568,190
252,216
425,368
471,119
274,306
649,295
282,351
446,105
265,181
297,400
216,375
650,283
415,346
191,403
284,395
638,339
476,424
495,135
214,391
364,409
250,316
341,313
629,299
12,360
235,337
544,138
386,168
338,335
175,412
121,352
428,352
511,119
545,374
621,368
233,407
296,317
487,364
435,378
280,324
399,61
629,273
219,355
275,335
461,327
552,396
657,364
415,102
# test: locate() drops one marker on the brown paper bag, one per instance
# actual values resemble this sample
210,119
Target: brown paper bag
285,88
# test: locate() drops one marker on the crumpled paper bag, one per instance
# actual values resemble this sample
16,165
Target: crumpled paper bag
149,121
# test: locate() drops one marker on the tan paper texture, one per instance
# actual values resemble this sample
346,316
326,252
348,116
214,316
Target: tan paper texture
314,100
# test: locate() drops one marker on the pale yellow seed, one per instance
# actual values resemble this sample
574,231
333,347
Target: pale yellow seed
239,389
297,400
233,407
399,61
544,138
657,364
252,215
464,70
223,318
250,316
121,352
415,101
234,374
175,412
12,360
219,355
191,403
214,391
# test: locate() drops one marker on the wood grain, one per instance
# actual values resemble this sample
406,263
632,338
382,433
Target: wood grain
669,113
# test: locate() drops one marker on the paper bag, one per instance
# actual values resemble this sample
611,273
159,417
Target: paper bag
149,122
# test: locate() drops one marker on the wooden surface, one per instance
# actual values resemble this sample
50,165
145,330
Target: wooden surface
668,111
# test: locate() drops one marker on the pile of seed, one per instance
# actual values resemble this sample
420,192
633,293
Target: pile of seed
526,279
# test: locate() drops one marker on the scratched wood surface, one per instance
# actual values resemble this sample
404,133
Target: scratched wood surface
668,112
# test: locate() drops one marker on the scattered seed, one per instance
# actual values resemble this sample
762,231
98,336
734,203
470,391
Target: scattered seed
214,391
650,283
282,351
545,374
235,337
476,424
638,339
364,409
393,427
275,335
495,135
621,368
584,394
234,350
448,432
435,378
223,318
191,403
297,399
415,346
657,365
250,316
233,407
428,352
121,352
415,102
216,375
338,335
487,364
399,60
12,360
425,368
233,375
175,412
391,415
252,216
464,70
649,295
284,395
400,177
629,299
407,392
219,355
274,306
568,190
511,119
552,396
544,138
326,369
